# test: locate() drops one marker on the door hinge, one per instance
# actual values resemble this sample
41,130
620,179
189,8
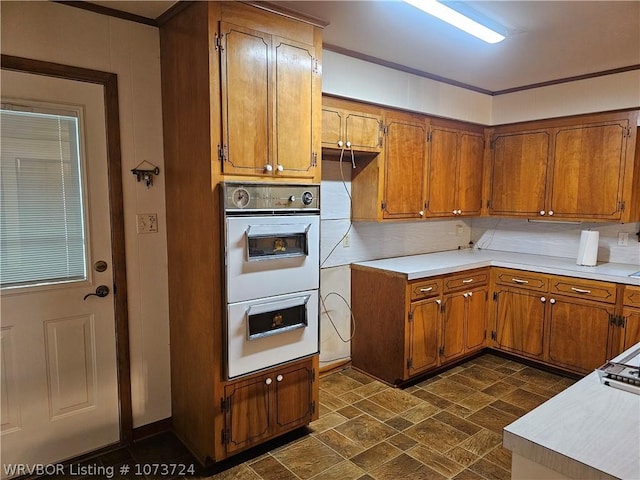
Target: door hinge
218,42
627,132
493,335
314,159
385,130
495,295
410,363
442,308
617,320
312,407
441,351
381,131
225,436
488,203
222,153
315,66
225,404
312,375
383,205
621,205
426,205
410,317
429,136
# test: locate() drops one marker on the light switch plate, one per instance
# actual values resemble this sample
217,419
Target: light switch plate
147,222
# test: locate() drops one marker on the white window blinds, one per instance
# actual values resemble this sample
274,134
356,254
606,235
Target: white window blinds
42,237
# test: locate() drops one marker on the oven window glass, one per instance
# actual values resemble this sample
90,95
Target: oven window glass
262,247
264,324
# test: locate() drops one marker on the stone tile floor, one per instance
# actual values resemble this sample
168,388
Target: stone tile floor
448,426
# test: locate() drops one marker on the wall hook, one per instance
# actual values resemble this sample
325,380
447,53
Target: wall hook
146,173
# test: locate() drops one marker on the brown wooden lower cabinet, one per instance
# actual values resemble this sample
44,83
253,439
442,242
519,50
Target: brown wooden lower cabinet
424,326
265,405
463,323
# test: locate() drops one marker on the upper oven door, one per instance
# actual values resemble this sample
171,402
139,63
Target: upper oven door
271,255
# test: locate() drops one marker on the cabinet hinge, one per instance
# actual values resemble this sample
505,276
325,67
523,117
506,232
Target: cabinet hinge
495,295
442,308
621,205
441,351
385,130
617,320
381,130
488,203
627,132
493,335
315,66
218,42
225,404
623,321
426,205
410,363
225,436
222,153
492,144
312,407
485,334
429,136
383,205
410,316
314,159
312,375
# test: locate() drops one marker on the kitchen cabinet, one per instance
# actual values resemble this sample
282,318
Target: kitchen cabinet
266,121
455,171
351,125
464,314
269,86
424,327
261,406
563,321
577,168
630,320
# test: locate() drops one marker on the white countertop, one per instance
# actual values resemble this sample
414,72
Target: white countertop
431,264
587,431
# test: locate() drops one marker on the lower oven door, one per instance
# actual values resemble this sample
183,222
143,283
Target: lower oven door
269,331
271,255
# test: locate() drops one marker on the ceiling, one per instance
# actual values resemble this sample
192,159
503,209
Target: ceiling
547,40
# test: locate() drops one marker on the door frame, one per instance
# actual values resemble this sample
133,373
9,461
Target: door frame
109,82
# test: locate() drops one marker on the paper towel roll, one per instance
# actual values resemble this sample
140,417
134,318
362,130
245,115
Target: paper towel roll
588,249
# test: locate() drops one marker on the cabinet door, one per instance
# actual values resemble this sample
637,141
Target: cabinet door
296,85
632,327
578,333
363,131
519,173
423,335
293,403
475,320
453,326
332,126
404,172
248,412
520,318
470,158
443,172
588,171
246,100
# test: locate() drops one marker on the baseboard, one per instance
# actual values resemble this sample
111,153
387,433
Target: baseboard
151,429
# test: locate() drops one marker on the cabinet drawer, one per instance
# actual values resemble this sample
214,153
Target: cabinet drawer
632,296
520,279
578,287
425,289
468,279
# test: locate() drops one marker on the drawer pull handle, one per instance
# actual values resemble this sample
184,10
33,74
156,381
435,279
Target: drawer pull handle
580,290
468,280
425,290
519,280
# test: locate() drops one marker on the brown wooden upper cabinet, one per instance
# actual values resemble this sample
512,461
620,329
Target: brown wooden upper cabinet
271,94
455,171
578,168
405,166
351,126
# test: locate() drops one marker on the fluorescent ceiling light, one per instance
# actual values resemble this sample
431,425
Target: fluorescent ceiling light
441,11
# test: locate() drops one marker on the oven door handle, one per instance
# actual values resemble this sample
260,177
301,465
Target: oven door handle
261,231
275,307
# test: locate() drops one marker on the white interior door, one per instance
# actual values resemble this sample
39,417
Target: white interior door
59,390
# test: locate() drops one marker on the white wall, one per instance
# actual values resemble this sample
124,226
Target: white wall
62,34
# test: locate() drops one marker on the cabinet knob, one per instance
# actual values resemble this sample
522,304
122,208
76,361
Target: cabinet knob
550,212
543,299
465,295
268,381
268,168
438,301
542,212
280,168
421,213
471,294
459,212
279,378
552,301
455,212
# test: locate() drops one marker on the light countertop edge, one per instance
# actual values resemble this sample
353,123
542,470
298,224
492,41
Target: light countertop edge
441,263
588,431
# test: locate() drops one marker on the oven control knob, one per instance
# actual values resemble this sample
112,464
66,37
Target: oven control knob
307,198
292,198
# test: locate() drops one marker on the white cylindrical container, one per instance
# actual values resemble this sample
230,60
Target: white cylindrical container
588,249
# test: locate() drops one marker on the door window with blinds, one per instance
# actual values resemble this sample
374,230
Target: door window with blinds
42,227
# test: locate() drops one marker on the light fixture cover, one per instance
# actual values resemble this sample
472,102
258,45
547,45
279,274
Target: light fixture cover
457,19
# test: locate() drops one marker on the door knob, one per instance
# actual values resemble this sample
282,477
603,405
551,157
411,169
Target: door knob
101,291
